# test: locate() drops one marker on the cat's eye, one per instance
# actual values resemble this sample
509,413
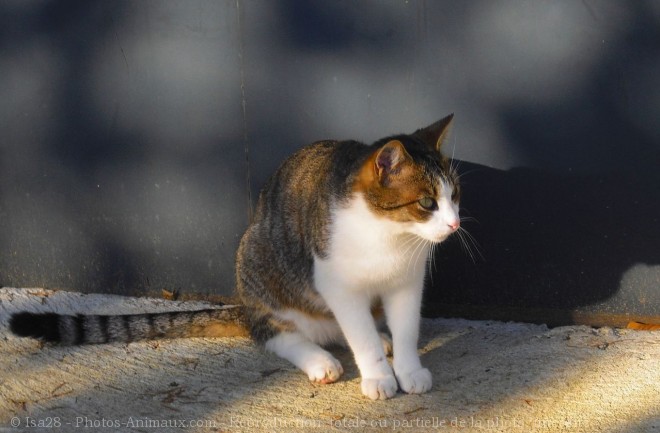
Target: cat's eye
428,203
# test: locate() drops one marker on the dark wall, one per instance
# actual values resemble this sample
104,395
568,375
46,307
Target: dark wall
135,135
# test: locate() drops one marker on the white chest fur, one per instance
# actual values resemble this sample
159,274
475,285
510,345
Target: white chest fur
373,253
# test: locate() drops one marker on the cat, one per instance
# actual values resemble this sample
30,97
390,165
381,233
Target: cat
341,234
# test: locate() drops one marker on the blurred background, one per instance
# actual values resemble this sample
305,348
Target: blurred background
135,136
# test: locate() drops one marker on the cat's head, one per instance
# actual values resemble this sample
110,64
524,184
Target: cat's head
408,181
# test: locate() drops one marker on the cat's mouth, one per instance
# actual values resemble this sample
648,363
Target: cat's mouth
440,235
441,238
435,238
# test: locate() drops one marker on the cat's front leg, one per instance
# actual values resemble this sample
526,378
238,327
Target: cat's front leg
402,308
319,364
352,309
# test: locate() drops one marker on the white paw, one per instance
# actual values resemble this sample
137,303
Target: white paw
387,343
379,389
323,368
415,382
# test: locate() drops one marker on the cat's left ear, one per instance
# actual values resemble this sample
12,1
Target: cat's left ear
389,159
434,135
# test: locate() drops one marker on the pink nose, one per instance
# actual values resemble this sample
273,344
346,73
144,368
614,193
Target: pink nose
454,225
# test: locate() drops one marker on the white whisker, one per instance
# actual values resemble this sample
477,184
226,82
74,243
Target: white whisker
463,245
414,257
452,168
430,262
422,254
460,175
409,243
411,248
469,219
470,243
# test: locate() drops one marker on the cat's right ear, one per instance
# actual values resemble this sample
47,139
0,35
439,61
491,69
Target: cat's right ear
389,159
434,135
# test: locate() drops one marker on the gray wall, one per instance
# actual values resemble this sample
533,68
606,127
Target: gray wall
135,134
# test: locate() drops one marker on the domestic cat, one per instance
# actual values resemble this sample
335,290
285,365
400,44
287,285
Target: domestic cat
341,234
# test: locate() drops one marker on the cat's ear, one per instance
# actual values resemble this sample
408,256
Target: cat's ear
389,158
434,135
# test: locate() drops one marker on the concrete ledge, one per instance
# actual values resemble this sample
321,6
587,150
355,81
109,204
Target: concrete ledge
488,376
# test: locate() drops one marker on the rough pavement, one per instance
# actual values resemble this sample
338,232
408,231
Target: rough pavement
488,377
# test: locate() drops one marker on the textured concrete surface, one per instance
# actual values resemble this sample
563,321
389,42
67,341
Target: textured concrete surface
488,377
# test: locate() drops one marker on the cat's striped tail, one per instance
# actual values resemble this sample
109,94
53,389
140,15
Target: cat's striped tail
69,330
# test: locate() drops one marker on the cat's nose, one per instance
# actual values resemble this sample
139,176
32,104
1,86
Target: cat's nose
454,225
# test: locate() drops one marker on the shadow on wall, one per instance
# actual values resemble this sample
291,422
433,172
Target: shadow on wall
577,228
552,241
122,162
123,142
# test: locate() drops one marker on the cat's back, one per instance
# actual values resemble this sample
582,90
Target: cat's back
292,223
303,172
312,178
294,211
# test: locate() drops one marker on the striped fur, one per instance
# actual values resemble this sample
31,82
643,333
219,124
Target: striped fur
100,329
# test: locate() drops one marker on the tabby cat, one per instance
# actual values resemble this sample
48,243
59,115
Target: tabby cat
341,234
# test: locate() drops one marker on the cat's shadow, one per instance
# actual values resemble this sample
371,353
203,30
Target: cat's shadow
562,242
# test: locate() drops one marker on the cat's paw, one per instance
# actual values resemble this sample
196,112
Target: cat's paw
415,382
381,388
386,341
323,368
